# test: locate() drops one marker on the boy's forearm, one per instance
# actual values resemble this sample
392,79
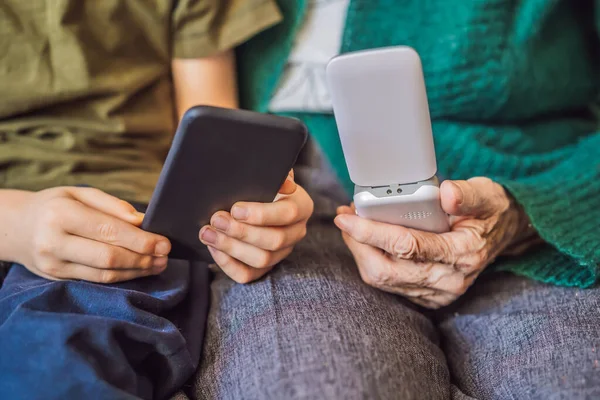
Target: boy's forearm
205,81
11,221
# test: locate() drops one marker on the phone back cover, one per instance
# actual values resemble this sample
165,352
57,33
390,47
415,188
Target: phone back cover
219,157
381,110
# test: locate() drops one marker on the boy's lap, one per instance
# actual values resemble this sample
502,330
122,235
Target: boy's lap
70,338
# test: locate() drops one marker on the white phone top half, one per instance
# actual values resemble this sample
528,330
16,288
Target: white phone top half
380,106
382,114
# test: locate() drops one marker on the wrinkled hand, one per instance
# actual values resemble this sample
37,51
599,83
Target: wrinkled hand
431,269
248,242
86,234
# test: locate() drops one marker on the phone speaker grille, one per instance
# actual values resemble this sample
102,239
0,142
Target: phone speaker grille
417,215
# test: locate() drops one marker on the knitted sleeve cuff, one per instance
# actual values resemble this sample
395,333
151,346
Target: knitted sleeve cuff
563,204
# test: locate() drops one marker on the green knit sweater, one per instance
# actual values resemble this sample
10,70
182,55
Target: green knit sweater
511,86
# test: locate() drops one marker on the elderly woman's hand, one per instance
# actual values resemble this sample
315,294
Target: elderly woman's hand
431,269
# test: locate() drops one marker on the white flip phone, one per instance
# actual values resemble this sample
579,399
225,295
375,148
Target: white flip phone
381,110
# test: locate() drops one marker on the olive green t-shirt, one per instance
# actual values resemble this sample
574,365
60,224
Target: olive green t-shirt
86,95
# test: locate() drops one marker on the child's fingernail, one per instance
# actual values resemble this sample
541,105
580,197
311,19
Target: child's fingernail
138,214
208,236
162,248
240,213
221,223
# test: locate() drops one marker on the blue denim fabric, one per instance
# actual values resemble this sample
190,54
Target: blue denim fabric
80,340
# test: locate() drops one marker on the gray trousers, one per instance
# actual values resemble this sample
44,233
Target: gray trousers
313,330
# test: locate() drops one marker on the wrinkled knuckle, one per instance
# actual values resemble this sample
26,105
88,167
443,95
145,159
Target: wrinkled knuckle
425,276
482,257
406,247
476,234
361,235
450,255
374,277
479,258
107,231
466,265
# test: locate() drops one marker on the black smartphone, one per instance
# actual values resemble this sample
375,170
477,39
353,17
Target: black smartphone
219,157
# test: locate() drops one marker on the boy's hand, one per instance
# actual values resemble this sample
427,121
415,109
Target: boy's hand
84,233
254,237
